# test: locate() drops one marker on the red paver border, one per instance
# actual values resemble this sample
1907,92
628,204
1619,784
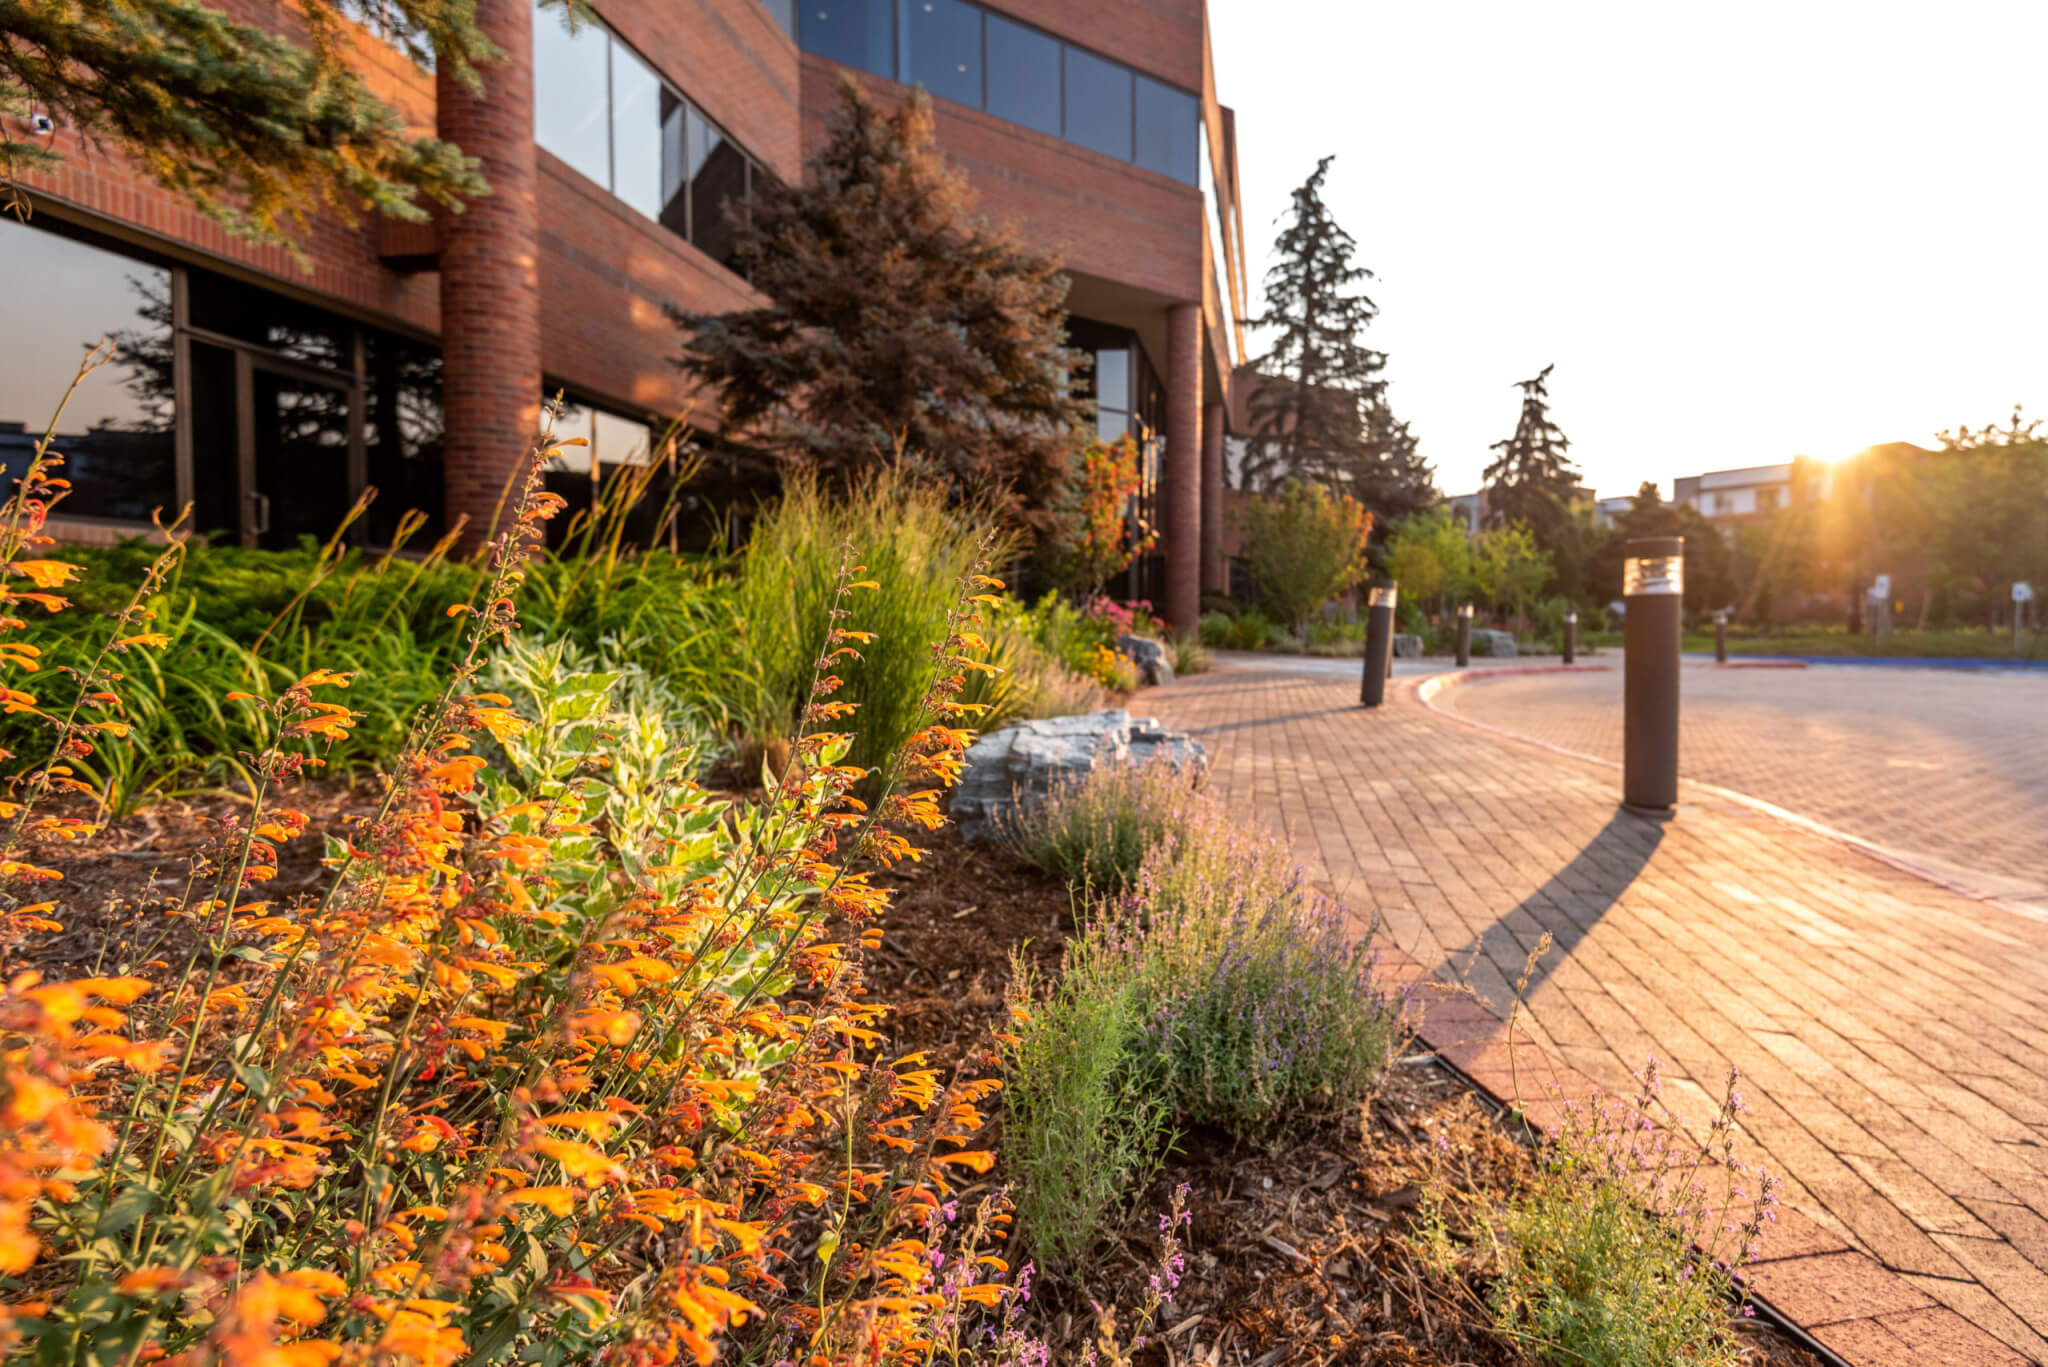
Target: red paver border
1848,1307
1425,690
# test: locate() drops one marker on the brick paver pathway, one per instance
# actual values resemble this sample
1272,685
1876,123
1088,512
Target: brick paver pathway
1893,1034
1950,769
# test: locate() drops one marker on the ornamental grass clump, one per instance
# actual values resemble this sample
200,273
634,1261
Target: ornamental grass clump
1624,1247
1097,829
567,1061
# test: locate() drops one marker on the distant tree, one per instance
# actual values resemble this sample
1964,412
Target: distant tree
1304,546
1510,568
1391,478
1991,487
1307,411
252,129
1429,553
895,318
1532,481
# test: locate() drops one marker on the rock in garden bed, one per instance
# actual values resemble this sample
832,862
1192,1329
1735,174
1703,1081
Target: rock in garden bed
1153,660
1020,765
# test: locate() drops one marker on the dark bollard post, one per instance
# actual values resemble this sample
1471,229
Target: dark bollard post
1571,637
1464,634
1653,582
1721,637
1379,645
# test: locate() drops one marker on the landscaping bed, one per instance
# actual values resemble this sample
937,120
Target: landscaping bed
1301,1253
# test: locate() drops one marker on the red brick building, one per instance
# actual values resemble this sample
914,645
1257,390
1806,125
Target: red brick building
268,392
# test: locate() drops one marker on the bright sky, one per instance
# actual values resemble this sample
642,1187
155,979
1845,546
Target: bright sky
1742,230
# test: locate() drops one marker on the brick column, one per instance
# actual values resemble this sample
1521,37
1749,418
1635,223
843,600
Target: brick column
490,275
1182,477
1215,573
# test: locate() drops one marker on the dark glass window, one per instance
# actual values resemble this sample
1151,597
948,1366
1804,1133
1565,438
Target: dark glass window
636,132
1169,130
718,177
942,49
116,434
1098,104
855,33
1023,75
571,92
402,434
249,313
675,163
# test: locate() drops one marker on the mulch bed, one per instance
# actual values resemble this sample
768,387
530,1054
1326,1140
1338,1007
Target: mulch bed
1297,1255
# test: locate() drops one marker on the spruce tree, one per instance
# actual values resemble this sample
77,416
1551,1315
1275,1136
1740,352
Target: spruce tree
897,321
1307,409
1532,481
254,129
1392,479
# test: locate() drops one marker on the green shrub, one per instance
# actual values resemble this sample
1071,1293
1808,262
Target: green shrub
1190,656
1248,630
1096,831
255,621
1084,1125
1618,1253
909,540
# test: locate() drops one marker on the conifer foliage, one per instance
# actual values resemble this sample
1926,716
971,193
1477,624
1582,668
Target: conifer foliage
1532,481
1318,410
897,321
252,128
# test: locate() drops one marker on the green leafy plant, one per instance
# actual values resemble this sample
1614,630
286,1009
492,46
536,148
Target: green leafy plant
1096,831
1305,546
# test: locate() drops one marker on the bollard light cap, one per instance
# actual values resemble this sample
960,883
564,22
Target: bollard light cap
1382,595
1464,609
1650,574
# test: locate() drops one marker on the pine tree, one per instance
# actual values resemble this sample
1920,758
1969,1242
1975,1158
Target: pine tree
898,321
253,129
1307,409
1393,479
1532,481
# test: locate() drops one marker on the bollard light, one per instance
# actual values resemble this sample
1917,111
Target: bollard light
1464,634
1721,636
1379,644
1653,582
1571,637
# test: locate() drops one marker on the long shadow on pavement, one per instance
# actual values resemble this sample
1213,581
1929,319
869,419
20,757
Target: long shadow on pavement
1568,905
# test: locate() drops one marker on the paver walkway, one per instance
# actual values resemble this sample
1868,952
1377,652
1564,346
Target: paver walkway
1948,768
1893,1035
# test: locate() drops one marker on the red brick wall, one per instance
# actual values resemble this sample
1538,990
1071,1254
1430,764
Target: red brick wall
607,277
1160,37
1098,215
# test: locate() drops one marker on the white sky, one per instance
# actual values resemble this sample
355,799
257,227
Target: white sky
1742,230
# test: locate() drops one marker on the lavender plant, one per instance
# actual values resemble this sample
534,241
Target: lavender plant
1096,830
1626,1247
1259,991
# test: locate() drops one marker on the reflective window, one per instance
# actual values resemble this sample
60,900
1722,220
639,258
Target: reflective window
1098,104
784,12
621,441
1168,127
250,313
942,49
718,178
636,132
571,92
1112,393
1023,75
116,434
855,33
631,133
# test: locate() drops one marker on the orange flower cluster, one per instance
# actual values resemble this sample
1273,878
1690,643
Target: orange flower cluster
540,1076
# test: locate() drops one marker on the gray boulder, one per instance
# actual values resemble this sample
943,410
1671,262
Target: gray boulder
1155,666
1016,767
1407,646
1493,644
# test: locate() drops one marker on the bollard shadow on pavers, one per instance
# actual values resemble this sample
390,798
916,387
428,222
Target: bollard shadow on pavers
1567,905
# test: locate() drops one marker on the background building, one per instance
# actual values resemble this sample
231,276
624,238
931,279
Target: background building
412,357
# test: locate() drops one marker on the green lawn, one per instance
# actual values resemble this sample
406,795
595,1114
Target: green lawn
1949,643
